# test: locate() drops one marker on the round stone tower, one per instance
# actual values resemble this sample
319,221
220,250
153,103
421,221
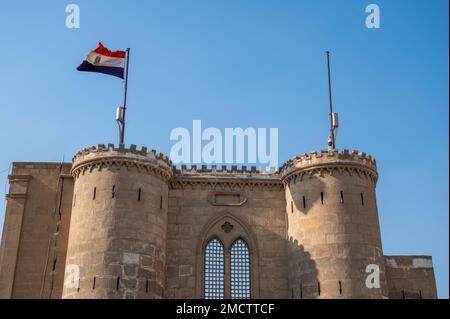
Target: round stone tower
334,234
117,239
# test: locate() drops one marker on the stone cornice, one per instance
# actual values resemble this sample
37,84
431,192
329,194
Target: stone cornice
21,192
107,158
322,170
329,163
15,196
109,163
18,178
226,184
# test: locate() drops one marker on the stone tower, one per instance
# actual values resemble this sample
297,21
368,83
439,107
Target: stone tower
117,239
333,226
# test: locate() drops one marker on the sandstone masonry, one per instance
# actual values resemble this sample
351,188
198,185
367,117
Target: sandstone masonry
126,223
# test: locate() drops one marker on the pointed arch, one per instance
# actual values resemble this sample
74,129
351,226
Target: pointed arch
228,229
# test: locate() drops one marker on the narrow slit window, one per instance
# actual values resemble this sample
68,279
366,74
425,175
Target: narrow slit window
318,288
54,264
118,283
93,284
139,195
362,199
340,287
342,197
301,291
113,195
321,198
292,206
95,193
304,201
146,285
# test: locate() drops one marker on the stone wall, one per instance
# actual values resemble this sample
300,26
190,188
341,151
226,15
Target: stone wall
410,277
146,237
117,242
37,220
333,226
199,210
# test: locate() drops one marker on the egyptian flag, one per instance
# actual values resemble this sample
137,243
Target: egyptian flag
104,61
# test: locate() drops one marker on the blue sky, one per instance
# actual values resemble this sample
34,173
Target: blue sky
246,63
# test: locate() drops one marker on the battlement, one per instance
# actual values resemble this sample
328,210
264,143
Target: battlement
354,160
330,159
223,171
106,156
101,148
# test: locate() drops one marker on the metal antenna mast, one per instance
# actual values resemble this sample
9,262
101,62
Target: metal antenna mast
334,123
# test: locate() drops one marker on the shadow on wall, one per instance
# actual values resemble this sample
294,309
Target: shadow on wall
302,272
304,198
271,251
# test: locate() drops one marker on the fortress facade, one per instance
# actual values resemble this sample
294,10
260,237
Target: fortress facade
126,223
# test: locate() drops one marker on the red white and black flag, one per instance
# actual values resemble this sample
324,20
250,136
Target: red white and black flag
104,61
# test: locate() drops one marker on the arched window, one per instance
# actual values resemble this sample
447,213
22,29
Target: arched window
227,261
240,270
214,270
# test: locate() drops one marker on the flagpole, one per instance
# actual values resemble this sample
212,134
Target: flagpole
332,141
122,130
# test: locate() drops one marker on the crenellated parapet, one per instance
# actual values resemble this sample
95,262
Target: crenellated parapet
106,157
223,170
326,162
225,178
150,161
